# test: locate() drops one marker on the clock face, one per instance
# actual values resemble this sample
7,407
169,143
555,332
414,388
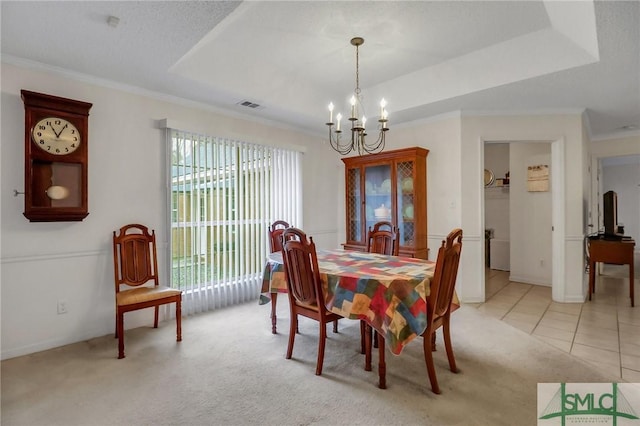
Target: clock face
56,136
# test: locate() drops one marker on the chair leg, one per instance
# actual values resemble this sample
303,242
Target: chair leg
382,365
120,333
292,334
274,300
179,321
155,317
447,344
433,342
335,326
366,335
321,342
428,358
366,328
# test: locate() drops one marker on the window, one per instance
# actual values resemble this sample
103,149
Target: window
224,195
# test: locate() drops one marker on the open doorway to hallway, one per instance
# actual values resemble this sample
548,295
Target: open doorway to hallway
518,210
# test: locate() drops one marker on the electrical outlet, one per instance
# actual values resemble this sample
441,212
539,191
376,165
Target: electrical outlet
62,306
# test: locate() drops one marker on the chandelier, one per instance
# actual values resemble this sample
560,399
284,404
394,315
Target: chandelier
357,141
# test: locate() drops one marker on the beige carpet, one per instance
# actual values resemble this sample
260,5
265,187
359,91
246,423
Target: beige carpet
230,370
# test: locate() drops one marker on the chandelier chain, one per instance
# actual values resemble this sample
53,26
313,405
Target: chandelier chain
357,71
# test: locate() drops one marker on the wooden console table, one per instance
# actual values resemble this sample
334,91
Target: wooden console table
607,251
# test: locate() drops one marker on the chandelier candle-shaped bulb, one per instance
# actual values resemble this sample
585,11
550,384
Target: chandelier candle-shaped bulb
339,117
331,112
353,107
383,104
364,120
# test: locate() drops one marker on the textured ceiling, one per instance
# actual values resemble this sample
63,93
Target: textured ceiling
292,58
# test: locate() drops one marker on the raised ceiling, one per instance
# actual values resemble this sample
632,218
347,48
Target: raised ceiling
292,58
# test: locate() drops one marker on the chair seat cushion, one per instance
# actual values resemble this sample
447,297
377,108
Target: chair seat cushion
144,294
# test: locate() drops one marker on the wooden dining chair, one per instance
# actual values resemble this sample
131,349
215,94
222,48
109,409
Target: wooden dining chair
439,303
135,263
442,288
275,243
275,235
306,293
383,238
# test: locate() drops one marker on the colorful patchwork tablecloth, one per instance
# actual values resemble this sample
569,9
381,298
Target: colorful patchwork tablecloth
389,292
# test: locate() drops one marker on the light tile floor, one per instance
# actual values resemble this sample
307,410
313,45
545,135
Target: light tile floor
604,331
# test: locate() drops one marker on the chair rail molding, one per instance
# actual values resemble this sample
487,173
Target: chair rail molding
52,256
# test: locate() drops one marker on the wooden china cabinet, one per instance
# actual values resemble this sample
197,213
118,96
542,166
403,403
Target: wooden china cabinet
389,186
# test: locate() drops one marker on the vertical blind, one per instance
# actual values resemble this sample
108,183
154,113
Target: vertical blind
223,196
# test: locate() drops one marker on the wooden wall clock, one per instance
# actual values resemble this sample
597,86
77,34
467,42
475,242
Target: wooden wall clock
55,158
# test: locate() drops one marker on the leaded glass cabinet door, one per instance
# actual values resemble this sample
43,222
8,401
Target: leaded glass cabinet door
354,202
405,203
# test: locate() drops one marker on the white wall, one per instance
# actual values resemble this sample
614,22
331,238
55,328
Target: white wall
44,262
530,216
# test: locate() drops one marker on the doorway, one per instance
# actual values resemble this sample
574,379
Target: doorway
536,224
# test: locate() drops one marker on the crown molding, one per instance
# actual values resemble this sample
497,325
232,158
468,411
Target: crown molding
617,135
542,111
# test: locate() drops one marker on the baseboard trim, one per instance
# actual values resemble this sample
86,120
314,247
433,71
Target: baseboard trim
528,280
52,344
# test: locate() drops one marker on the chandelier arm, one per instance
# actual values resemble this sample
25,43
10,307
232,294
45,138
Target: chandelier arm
336,143
371,148
378,145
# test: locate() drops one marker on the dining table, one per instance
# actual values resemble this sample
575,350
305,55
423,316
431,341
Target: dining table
389,293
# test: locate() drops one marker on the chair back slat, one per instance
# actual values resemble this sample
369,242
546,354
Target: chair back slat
383,239
446,272
301,267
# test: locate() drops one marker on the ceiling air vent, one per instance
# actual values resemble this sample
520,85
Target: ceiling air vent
250,104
